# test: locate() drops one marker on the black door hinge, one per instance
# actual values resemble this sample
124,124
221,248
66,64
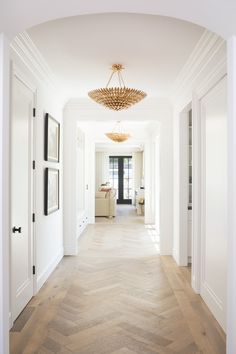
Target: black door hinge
34,112
33,270
33,164
33,217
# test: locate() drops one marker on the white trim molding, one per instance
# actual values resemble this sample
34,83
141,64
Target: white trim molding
207,58
196,194
4,192
26,50
41,279
231,298
205,67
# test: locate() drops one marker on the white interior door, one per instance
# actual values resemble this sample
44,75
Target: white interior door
214,200
21,196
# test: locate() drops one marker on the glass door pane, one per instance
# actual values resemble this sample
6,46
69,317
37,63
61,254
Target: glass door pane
128,178
120,173
114,174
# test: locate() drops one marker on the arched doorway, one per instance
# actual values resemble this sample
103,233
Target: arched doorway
190,15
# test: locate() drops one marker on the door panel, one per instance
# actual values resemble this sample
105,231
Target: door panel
21,196
114,174
214,201
121,178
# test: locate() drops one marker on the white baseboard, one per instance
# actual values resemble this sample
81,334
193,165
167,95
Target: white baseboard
175,256
165,252
148,220
10,321
215,304
91,220
70,250
49,269
81,230
195,286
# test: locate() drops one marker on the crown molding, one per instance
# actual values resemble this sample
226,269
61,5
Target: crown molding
198,65
26,50
216,74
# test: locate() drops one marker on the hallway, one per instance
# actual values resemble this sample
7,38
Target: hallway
117,296
124,214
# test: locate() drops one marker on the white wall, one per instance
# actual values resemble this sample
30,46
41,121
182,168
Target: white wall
79,182
80,175
48,229
138,171
203,69
199,77
166,185
69,187
149,182
160,124
90,177
157,187
214,200
102,168
180,242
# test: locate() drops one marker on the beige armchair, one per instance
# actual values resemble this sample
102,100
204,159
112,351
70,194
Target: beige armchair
105,203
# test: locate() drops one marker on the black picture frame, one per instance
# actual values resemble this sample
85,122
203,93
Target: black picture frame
51,139
51,190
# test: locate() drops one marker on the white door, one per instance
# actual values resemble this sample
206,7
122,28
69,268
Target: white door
214,200
21,196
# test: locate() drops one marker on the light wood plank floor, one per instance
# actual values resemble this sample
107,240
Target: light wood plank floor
125,213
117,296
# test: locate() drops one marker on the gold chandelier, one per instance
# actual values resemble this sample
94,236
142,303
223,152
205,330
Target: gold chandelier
117,134
117,98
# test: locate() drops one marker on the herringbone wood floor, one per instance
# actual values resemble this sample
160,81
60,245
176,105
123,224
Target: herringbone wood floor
117,296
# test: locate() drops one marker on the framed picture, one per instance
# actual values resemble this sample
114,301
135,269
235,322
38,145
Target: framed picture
52,139
51,190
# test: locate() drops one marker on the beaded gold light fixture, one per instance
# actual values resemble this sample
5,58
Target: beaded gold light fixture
117,135
117,98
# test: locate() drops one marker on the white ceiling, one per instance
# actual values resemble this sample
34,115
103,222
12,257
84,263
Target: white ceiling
217,16
116,148
139,132
80,50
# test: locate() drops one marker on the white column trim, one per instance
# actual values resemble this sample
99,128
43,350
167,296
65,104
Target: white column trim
231,298
183,187
4,193
196,195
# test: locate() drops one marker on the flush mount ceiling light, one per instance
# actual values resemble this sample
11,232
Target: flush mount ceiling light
117,98
117,134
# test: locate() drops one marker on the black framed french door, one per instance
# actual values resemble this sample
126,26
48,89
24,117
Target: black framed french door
120,174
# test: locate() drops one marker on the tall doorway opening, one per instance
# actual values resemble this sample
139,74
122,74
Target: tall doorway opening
121,177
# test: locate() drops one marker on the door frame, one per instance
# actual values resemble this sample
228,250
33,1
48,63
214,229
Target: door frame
197,222
17,74
183,185
204,287
149,197
120,178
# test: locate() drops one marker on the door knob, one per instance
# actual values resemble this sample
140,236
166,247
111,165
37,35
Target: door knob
16,229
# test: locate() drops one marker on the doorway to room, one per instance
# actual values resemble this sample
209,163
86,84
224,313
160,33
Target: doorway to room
120,188
22,246
121,177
